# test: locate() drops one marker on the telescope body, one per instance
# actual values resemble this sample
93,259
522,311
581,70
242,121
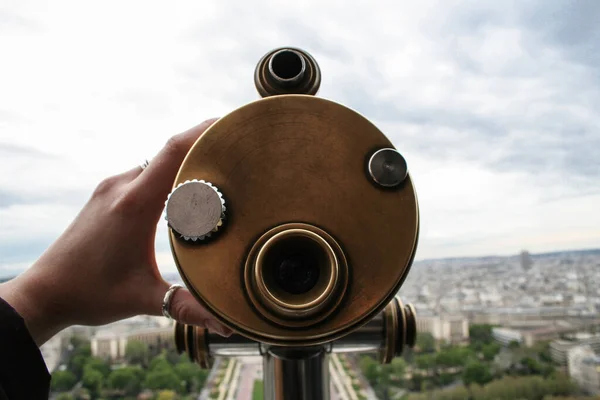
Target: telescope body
294,221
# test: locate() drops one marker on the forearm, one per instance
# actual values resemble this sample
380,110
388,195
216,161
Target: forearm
30,296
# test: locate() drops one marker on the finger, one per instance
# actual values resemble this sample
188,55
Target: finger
156,181
184,308
131,174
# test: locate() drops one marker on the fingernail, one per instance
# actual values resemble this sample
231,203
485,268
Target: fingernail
218,328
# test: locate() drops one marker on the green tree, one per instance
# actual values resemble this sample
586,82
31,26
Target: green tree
162,378
370,369
93,381
78,341
128,379
476,372
543,351
192,375
561,385
175,358
531,366
446,379
425,361
202,375
62,381
136,352
489,351
159,362
548,370
426,342
454,356
65,396
79,357
514,345
99,365
480,334
415,381
398,367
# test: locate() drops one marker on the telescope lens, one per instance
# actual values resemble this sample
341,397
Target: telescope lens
297,273
294,263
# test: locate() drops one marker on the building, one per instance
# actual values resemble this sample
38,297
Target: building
111,344
584,368
450,329
507,335
526,260
532,332
546,334
559,348
509,315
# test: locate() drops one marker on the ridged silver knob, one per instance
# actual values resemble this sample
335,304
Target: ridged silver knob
195,210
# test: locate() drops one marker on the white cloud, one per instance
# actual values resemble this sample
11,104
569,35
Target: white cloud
495,112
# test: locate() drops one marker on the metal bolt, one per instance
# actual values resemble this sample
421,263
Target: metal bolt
388,168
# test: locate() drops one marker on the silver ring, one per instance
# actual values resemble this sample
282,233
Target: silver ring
166,305
144,164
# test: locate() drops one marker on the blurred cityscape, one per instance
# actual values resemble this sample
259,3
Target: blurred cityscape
484,324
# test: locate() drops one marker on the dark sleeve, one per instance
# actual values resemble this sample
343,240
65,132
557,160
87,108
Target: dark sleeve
23,373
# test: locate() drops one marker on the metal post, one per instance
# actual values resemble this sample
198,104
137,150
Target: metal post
296,374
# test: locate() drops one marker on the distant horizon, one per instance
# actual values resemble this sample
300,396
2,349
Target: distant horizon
417,261
533,254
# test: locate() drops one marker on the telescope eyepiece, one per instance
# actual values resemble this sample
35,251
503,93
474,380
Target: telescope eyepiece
287,67
287,70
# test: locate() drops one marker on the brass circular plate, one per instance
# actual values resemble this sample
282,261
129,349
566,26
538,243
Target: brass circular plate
301,158
202,355
388,352
401,333
320,304
189,341
411,325
179,334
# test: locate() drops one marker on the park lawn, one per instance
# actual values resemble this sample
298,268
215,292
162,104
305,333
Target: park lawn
258,391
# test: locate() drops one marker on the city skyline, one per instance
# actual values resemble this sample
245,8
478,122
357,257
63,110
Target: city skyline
528,304
493,107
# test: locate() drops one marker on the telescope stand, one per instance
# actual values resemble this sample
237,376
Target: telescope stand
299,374
302,372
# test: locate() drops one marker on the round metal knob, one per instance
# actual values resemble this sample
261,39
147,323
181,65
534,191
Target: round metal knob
388,168
195,210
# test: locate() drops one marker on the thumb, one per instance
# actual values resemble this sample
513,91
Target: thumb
185,309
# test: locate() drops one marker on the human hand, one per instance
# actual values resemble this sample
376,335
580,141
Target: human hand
103,267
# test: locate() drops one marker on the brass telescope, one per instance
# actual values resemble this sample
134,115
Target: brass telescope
294,221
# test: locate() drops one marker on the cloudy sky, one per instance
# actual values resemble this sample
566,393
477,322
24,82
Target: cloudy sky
494,105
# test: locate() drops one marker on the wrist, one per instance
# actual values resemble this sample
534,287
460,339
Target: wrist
32,300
